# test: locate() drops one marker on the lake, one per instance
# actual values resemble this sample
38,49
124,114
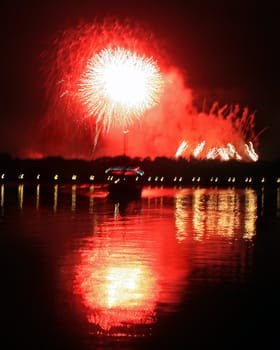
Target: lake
179,268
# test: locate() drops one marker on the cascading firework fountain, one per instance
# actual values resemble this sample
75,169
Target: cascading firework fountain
225,133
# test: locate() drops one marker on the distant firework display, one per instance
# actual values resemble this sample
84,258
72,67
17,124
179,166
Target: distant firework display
110,78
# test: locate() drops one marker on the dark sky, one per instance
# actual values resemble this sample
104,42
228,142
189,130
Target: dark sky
227,50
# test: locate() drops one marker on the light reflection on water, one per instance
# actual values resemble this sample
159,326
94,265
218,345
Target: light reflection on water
130,263
128,269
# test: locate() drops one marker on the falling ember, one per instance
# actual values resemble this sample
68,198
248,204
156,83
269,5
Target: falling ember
118,86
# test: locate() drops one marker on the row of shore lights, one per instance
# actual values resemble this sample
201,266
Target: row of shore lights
150,178
212,179
56,177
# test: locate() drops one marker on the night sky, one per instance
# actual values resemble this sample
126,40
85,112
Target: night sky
226,49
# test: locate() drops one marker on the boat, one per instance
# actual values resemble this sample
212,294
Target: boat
124,182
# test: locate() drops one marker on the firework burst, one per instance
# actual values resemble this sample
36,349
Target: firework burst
103,70
118,86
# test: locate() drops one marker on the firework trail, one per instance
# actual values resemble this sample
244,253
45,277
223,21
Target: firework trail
103,78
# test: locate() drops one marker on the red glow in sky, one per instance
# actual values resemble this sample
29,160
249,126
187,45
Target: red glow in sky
89,111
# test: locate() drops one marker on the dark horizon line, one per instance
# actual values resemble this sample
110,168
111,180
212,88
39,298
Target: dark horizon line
5,156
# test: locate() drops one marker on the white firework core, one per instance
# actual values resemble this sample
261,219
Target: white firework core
118,86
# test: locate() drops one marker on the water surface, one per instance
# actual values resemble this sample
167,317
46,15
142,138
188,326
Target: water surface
181,267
